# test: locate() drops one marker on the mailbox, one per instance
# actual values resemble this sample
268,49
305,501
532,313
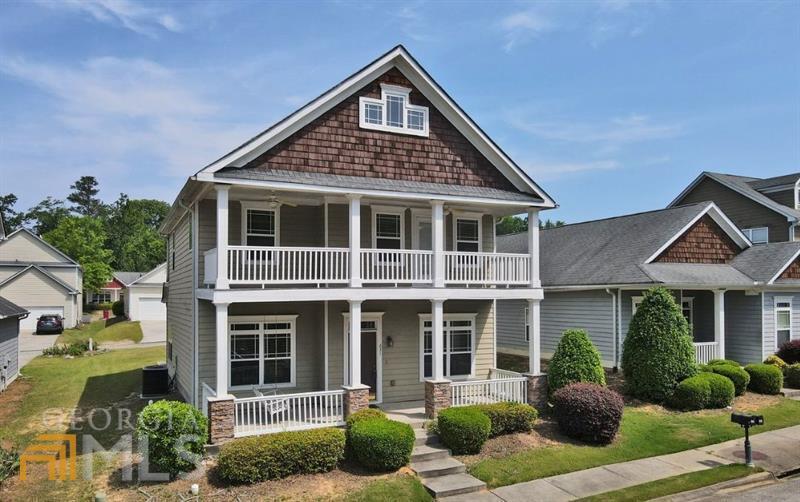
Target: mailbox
746,419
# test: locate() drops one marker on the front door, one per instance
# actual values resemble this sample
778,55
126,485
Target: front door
371,352
369,363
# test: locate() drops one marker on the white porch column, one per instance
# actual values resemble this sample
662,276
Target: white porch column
222,236
533,247
437,332
354,345
719,322
534,342
355,242
222,349
437,242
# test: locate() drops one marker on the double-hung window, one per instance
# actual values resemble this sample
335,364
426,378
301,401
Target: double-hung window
459,345
387,225
259,225
468,234
687,309
758,235
262,351
783,320
393,112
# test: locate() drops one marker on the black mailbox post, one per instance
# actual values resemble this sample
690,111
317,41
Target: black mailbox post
746,420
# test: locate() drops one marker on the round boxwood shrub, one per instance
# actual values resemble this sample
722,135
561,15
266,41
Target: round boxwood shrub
722,390
274,456
588,412
381,445
792,376
576,359
775,361
365,414
724,362
118,308
790,352
507,418
176,433
658,351
765,378
691,394
464,430
735,374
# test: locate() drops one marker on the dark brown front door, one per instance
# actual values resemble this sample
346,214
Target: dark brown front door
369,364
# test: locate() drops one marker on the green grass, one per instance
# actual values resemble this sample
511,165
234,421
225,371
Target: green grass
406,488
642,434
675,484
101,331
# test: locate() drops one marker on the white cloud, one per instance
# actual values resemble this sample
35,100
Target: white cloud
523,26
618,131
132,15
552,170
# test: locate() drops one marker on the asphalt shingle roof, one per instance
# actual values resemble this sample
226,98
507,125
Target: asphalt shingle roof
127,277
744,185
8,309
763,261
786,179
700,274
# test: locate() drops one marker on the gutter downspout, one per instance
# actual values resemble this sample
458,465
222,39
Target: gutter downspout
619,325
613,326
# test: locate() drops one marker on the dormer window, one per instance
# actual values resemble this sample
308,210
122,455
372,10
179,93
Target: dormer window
393,112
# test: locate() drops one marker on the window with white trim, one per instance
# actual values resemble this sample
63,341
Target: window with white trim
262,351
783,320
636,301
687,309
393,112
387,228
758,235
101,297
259,225
468,234
459,346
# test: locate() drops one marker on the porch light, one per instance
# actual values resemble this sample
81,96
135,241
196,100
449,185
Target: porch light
389,341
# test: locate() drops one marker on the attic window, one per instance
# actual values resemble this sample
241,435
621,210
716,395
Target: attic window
393,112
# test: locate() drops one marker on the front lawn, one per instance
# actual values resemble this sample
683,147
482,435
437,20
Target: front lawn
406,488
101,331
646,431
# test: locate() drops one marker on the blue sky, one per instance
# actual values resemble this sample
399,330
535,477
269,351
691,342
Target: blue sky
611,106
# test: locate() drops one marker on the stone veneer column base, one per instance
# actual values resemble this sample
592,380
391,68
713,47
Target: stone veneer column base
537,391
356,398
437,397
220,420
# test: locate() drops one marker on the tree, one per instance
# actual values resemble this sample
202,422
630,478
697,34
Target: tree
511,225
547,225
46,215
133,233
576,359
83,239
11,219
84,198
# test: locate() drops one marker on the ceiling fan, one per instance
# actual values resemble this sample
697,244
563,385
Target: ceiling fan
274,202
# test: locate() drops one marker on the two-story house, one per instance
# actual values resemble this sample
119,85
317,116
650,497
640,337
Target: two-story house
766,209
345,257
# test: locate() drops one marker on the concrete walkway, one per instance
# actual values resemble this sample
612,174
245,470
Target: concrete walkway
776,451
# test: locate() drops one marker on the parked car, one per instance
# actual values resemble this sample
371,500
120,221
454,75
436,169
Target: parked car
49,323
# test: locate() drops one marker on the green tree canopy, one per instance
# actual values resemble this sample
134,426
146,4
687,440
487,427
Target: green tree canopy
46,215
11,219
84,197
133,234
83,239
516,224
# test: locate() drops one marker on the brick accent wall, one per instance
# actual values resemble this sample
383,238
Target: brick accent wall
437,397
220,420
335,144
537,392
792,271
704,242
355,399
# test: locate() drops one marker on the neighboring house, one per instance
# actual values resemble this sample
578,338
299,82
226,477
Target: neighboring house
742,301
142,296
767,210
10,316
350,244
40,278
110,292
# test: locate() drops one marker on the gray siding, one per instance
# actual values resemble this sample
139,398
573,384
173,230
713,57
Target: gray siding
180,300
743,327
511,327
769,338
9,346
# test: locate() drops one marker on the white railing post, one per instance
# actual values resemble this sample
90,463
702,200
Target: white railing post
354,345
534,340
437,241
355,240
222,236
533,247
719,322
222,349
437,332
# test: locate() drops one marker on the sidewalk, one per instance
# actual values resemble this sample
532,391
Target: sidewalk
776,451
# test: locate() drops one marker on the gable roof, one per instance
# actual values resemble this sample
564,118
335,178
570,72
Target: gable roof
620,250
745,185
775,181
766,262
39,240
9,309
126,278
399,58
142,279
48,275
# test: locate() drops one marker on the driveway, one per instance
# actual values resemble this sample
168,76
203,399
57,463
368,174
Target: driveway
153,332
31,345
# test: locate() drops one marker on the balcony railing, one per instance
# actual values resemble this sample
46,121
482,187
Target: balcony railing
253,265
705,352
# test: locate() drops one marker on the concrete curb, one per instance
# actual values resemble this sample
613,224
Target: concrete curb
757,479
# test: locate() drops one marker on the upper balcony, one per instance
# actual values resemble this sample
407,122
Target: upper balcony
256,239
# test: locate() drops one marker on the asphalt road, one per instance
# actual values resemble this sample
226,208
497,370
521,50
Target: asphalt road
788,489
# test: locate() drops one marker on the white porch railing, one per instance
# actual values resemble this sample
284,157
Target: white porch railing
486,268
288,412
287,265
489,391
206,393
396,265
705,351
498,374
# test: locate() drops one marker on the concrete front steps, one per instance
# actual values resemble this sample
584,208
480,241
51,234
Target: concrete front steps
442,475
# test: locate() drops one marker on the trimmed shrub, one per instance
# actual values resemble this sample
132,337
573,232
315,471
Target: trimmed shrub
724,362
274,456
507,418
792,376
380,444
776,361
658,352
118,308
765,378
735,374
691,394
464,430
790,352
576,359
365,414
722,390
176,434
588,412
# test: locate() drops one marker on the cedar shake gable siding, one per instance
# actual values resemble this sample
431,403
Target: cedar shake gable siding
704,242
335,144
792,271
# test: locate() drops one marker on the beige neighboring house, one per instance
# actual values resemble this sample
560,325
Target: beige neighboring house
142,296
39,278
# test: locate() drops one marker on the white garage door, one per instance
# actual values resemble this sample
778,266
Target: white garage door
151,309
35,313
